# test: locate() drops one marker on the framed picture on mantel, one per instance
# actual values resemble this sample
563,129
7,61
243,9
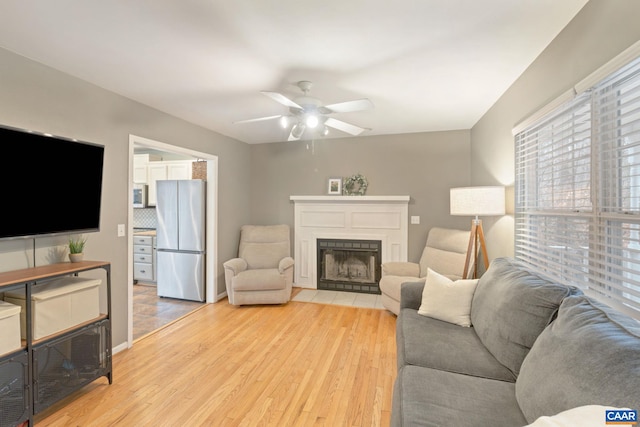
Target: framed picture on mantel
335,186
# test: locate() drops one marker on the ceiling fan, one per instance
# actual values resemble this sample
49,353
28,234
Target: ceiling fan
307,113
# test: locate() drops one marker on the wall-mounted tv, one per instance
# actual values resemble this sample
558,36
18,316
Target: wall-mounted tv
49,185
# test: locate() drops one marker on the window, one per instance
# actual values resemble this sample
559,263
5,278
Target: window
578,191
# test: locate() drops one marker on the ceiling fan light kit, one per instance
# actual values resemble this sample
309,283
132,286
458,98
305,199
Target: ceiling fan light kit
312,121
296,131
284,121
309,114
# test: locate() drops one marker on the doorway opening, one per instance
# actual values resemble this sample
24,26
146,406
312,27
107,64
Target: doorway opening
144,306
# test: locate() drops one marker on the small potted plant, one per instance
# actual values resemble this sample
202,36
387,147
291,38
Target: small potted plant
76,248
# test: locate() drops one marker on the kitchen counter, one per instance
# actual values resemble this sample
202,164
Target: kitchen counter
145,233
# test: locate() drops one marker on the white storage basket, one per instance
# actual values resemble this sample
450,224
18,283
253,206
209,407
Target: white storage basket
9,327
58,305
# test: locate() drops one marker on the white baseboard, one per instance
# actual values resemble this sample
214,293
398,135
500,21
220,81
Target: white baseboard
117,349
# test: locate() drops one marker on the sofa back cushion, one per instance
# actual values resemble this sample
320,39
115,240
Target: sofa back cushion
511,307
445,252
589,355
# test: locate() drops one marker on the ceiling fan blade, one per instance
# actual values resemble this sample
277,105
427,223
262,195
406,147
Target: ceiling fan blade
259,119
349,106
278,97
344,126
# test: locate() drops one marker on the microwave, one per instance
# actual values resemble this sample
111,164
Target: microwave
139,195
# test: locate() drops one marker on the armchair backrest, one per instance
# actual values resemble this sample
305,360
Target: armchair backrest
445,252
263,246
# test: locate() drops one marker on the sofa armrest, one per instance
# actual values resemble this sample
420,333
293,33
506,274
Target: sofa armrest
235,265
285,263
411,295
410,269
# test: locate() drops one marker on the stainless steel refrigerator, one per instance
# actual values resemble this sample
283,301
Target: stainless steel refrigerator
180,240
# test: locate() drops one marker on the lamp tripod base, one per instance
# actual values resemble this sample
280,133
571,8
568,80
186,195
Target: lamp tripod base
476,244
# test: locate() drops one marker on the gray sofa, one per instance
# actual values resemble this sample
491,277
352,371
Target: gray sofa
535,348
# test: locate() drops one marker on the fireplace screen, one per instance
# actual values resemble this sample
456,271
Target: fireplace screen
349,265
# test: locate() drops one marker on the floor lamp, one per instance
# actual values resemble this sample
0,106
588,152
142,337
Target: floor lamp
476,201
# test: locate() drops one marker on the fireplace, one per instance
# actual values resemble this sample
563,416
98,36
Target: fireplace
377,218
349,265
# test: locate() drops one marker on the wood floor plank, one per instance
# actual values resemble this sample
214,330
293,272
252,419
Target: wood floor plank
298,364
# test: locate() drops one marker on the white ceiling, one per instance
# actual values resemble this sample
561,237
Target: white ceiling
427,65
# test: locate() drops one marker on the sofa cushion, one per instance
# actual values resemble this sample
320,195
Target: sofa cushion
430,397
589,355
447,300
511,307
432,343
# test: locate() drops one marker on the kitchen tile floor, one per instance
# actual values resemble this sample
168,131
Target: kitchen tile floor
151,312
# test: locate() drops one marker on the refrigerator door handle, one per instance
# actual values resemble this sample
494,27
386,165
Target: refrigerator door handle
181,252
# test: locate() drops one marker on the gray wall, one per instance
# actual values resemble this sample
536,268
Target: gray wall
255,182
598,33
422,165
39,98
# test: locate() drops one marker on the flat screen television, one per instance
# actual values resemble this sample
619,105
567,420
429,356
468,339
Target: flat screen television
49,185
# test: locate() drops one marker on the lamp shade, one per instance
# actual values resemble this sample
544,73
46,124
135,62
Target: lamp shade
477,201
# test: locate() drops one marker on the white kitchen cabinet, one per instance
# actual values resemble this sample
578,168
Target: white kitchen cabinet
140,167
157,171
179,170
143,258
139,174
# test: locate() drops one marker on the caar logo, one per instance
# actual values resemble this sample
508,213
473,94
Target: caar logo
621,417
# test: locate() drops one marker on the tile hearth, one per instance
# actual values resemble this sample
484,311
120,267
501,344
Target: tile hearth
352,299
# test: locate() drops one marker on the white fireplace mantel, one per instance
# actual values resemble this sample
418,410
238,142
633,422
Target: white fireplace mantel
383,218
352,199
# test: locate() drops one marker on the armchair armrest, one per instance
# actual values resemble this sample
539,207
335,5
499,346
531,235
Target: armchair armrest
406,269
235,265
285,263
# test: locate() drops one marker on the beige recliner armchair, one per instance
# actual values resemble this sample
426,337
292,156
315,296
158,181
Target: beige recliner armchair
445,253
263,271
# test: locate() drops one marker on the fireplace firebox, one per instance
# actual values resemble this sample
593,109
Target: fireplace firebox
349,265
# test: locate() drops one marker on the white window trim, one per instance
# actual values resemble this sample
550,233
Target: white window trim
577,166
583,85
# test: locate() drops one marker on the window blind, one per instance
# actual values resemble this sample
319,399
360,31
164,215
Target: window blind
577,190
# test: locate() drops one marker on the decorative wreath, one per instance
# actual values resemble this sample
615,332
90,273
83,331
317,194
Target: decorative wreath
355,185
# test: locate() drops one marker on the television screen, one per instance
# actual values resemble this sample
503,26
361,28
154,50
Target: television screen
48,185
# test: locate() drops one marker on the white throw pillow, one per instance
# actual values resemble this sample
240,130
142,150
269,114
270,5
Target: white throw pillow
583,416
446,300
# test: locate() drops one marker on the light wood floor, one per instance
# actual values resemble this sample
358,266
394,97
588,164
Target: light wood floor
298,364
